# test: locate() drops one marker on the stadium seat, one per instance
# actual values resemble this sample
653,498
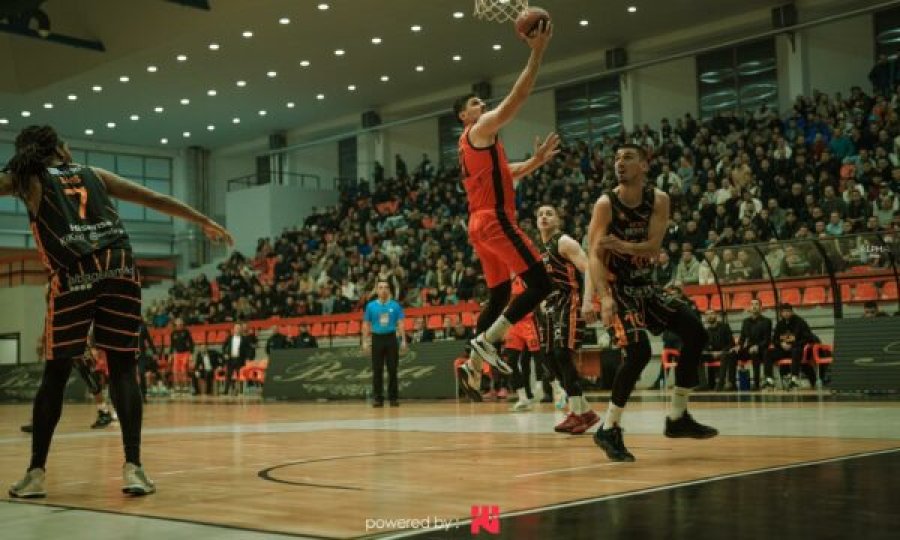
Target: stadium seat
317,330
865,291
846,293
813,296
435,322
790,296
199,336
669,360
469,319
701,301
340,329
889,291
741,301
715,303
409,324
354,328
767,298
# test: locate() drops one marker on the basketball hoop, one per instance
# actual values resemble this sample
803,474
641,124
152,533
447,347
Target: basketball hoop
499,10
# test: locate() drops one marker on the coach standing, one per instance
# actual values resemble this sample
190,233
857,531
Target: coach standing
381,319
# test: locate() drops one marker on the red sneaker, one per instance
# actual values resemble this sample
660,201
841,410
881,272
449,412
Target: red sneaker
588,420
502,394
567,425
489,396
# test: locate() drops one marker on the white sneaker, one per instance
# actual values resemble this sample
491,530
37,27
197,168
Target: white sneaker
489,353
560,398
135,481
522,406
30,487
537,389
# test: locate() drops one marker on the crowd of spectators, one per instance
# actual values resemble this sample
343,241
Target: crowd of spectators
826,169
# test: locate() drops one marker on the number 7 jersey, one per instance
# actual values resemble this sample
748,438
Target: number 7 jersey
75,217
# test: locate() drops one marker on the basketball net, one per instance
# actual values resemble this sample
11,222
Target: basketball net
499,10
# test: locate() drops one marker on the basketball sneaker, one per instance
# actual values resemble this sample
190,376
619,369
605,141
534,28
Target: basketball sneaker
560,398
768,384
610,440
490,395
27,428
30,487
465,380
502,394
104,418
135,481
587,421
567,425
522,405
792,384
490,355
687,427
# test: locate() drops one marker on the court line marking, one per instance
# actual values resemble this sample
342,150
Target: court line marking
567,469
614,496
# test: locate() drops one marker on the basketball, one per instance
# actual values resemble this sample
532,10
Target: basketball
527,22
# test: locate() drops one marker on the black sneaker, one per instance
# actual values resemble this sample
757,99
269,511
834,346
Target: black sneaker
27,428
103,419
464,381
793,384
687,427
610,440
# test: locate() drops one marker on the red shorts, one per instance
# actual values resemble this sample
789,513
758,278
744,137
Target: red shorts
523,336
501,246
180,361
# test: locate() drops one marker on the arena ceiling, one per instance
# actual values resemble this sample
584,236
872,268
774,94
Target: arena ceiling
252,67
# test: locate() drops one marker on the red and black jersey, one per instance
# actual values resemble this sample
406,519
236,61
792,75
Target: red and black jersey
75,217
631,225
486,176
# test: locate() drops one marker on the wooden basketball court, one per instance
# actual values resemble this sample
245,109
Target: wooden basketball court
348,471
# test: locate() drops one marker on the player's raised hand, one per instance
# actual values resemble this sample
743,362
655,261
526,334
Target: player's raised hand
541,37
547,150
217,233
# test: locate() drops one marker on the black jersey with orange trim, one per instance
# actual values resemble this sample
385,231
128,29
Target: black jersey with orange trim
631,224
486,176
75,217
563,273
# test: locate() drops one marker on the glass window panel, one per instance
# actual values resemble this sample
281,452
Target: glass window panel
449,131
130,166
79,156
158,167
131,211
8,205
7,150
160,186
102,160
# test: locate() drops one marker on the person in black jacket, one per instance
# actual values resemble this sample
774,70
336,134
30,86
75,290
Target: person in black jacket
304,339
717,348
792,333
236,350
205,364
278,341
753,343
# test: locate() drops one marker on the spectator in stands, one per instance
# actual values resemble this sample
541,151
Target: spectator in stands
871,310
688,270
277,341
236,351
304,340
182,349
791,335
753,342
795,263
664,270
204,368
717,348
420,333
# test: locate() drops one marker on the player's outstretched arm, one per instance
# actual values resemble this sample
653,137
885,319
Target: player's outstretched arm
649,248
543,152
490,122
129,191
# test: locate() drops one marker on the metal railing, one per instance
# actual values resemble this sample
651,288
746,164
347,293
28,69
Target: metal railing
303,180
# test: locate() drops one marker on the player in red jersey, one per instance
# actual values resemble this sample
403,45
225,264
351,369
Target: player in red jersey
500,244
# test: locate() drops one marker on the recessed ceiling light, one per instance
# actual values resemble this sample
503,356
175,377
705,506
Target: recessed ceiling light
351,87
124,78
158,109
458,15
210,127
26,114
584,22
376,41
97,88
211,93
186,134
152,69
181,58
457,58
71,97
291,104
323,6
385,78
164,141
89,131
134,117
304,63
415,28
247,34
420,69
339,52
284,20
4,121
48,105
214,46
632,9
497,46
241,83
271,74
262,113
185,101
320,96
111,125
235,120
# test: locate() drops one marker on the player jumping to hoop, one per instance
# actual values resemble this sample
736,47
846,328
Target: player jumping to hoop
500,244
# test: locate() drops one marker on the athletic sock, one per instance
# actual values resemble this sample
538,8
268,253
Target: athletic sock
613,416
585,404
679,402
523,395
497,331
575,405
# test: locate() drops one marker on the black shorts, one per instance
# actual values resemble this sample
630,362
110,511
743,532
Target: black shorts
643,309
563,324
102,290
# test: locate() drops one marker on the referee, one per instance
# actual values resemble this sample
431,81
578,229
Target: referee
381,319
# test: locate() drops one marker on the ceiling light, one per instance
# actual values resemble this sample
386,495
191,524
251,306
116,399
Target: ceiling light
134,117
351,87
376,41
186,134
291,104
152,69
415,28
339,52
320,97
89,131
235,120
457,58
247,34
48,105
262,113
26,114
241,83
124,78
158,109
210,127
420,69
214,46
458,15
284,20
385,78
497,46
181,58
323,6
4,121
584,22
304,63
632,9
210,93
185,101
272,74
111,125
97,88
164,141
71,97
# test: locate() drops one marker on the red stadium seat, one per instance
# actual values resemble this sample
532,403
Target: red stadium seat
435,322
790,296
846,293
409,323
767,298
813,296
715,303
340,329
865,291
669,360
469,319
354,328
889,291
701,301
741,301
317,330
